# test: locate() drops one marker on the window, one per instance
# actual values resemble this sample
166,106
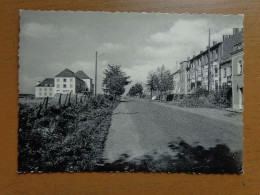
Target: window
45,89
40,89
58,85
50,89
64,80
40,94
50,94
225,73
45,85
71,80
58,80
71,85
240,67
64,86
45,94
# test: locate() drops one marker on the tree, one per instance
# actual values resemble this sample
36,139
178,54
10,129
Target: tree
137,89
161,81
151,82
115,81
165,78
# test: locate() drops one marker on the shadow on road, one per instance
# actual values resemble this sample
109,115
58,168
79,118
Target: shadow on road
125,113
189,159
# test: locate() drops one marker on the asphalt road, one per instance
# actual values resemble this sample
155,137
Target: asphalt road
145,128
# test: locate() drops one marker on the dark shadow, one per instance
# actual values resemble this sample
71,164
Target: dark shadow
125,113
188,159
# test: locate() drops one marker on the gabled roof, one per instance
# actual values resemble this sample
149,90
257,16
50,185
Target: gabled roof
49,82
66,73
82,75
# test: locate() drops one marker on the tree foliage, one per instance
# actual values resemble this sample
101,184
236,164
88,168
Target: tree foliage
136,89
161,80
115,80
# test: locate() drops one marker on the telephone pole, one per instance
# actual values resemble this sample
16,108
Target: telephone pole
209,66
96,76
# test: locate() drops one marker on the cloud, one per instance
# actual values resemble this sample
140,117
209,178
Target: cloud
110,47
38,30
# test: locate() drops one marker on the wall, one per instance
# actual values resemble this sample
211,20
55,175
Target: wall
237,84
128,183
64,90
40,92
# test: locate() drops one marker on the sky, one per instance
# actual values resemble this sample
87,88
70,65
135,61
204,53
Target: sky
51,41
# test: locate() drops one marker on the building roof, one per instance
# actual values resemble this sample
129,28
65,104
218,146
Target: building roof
206,51
66,73
82,75
49,82
178,71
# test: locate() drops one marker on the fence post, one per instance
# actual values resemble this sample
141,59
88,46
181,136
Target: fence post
39,111
66,100
46,103
69,99
59,103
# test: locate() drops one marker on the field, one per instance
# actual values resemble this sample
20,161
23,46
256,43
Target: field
64,133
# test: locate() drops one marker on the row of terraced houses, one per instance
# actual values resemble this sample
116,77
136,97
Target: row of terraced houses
226,69
65,82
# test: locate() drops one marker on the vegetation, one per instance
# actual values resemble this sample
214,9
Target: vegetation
115,81
137,89
202,98
63,134
160,81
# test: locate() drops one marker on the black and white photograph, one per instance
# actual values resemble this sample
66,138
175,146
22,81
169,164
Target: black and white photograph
130,92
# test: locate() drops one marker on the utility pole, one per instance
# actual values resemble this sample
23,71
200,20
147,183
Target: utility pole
209,66
96,76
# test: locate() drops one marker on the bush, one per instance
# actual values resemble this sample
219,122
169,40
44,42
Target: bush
63,138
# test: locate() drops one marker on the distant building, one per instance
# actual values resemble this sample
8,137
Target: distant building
226,68
197,69
229,42
238,76
45,88
65,82
82,75
176,82
183,76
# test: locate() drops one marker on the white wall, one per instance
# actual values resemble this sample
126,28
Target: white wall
88,83
44,92
64,85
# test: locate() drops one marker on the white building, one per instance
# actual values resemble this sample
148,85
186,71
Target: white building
63,83
176,82
67,81
45,88
82,75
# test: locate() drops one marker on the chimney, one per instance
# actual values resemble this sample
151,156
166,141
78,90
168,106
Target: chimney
235,30
38,82
188,58
207,47
214,43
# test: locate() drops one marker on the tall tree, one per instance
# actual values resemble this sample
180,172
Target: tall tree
160,81
151,82
115,81
165,78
